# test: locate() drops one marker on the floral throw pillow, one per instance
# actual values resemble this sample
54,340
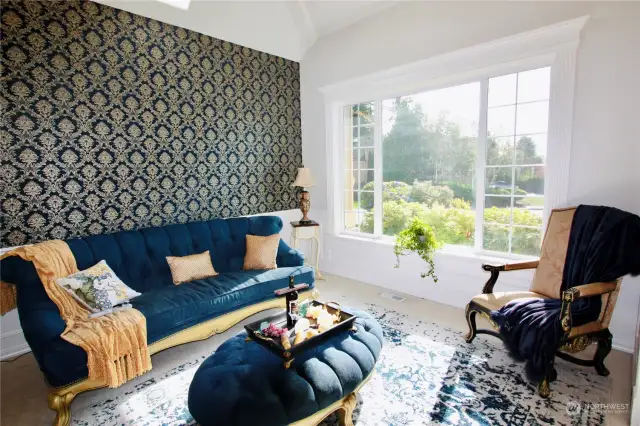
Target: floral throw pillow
98,287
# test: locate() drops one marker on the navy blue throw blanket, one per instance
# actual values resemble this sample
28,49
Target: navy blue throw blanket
604,244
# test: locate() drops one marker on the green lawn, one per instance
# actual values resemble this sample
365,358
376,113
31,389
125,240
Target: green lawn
531,201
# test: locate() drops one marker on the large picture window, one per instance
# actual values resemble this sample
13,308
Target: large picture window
468,159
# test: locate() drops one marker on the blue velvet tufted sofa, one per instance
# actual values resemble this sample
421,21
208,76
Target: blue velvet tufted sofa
174,314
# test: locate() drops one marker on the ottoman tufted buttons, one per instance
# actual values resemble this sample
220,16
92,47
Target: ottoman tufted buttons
243,384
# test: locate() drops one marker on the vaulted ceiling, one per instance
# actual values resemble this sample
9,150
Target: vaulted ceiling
283,28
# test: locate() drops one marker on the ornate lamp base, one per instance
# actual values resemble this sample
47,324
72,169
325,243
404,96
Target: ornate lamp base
305,206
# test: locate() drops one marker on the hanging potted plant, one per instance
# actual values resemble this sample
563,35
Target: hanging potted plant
418,237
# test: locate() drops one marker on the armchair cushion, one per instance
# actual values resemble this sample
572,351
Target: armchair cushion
548,277
495,301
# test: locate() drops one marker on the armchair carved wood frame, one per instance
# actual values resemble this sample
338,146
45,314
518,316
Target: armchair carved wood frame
546,284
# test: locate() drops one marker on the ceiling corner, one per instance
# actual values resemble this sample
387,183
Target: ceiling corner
304,25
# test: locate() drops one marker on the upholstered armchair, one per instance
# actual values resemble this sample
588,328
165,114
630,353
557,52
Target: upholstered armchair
547,284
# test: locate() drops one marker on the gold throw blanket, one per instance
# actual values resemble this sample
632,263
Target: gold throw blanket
116,344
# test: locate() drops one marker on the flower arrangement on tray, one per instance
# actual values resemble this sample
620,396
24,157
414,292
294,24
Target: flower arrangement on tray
312,320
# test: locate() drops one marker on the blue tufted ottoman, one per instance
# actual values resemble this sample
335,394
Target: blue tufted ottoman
243,384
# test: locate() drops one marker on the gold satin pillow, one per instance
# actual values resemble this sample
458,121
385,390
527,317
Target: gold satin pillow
261,252
192,267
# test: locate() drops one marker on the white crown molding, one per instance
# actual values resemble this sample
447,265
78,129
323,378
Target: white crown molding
456,66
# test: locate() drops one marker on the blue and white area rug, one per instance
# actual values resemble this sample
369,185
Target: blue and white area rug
427,375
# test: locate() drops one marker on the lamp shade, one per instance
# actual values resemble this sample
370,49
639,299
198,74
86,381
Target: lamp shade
304,178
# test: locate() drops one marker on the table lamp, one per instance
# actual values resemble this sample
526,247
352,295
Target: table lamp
304,180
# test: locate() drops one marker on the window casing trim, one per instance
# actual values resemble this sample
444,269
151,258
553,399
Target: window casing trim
554,46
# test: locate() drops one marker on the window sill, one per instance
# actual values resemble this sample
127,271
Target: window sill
453,250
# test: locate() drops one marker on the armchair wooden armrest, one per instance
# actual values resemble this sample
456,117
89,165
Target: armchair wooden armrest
579,292
495,271
593,289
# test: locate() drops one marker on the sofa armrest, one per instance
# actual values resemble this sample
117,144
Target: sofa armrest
496,269
288,256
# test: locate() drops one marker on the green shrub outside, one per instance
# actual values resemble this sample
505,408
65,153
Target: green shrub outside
501,201
456,225
461,190
427,193
391,191
396,216
452,225
520,217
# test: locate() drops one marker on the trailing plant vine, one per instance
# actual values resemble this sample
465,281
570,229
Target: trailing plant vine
419,238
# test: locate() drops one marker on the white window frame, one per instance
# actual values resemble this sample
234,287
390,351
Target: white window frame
553,46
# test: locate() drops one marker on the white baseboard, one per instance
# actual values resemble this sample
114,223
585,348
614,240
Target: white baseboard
13,344
13,352
621,346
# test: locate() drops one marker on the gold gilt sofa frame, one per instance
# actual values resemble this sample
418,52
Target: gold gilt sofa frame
60,399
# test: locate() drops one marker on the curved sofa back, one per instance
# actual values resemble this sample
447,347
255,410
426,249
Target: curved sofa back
139,257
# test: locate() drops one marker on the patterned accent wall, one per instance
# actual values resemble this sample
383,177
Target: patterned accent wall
113,121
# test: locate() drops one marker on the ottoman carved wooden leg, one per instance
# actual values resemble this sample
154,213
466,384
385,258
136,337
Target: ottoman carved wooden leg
345,413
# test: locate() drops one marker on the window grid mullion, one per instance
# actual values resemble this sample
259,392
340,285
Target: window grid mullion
342,163
481,163
377,169
356,168
513,165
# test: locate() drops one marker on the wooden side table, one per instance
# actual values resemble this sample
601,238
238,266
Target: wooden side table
307,231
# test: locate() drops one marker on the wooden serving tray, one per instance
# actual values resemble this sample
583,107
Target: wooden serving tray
280,319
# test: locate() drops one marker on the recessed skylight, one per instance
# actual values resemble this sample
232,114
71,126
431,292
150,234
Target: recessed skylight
180,4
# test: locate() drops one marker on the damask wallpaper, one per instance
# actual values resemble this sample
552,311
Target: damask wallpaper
113,121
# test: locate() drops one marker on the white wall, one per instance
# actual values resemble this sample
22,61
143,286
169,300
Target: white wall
12,340
605,154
